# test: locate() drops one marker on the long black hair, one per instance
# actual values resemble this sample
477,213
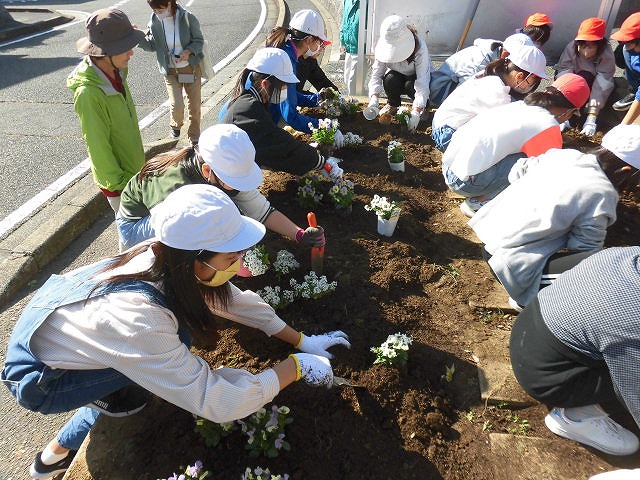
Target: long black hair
190,301
550,97
161,163
622,175
256,78
502,67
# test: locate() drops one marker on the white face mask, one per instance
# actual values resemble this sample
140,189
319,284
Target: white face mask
163,15
311,53
274,96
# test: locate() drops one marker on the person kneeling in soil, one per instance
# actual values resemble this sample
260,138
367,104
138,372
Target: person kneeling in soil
577,347
481,153
224,158
265,81
556,212
99,337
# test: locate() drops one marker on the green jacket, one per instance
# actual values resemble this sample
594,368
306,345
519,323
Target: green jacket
350,25
109,126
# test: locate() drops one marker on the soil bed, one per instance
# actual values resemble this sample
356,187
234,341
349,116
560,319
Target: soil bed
407,425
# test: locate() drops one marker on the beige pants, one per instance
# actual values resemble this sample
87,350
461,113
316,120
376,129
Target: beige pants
194,99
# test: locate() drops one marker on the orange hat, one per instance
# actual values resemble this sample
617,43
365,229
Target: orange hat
629,30
537,20
574,88
592,29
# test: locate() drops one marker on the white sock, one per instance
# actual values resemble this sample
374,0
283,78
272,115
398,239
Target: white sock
49,458
576,414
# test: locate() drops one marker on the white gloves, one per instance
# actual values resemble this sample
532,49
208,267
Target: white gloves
372,109
338,139
589,127
318,344
374,102
313,369
564,126
414,120
332,170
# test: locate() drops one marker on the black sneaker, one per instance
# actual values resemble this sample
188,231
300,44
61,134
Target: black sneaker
124,402
624,103
175,132
40,470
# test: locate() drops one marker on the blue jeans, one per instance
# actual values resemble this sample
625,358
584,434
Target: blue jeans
133,232
43,389
442,136
488,183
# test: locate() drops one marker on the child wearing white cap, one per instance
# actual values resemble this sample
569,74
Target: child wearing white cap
561,200
466,63
517,74
267,76
304,37
477,161
224,158
96,338
590,56
402,66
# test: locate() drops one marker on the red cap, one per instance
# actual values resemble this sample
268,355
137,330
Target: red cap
629,30
574,88
592,29
537,20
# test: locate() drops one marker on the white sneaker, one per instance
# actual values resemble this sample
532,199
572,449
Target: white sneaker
515,305
598,432
618,475
471,205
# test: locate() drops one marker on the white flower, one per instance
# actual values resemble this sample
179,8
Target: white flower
256,260
285,262
383,207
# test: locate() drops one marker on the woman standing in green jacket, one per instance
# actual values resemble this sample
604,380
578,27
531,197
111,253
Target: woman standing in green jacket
175,35
349,40
102,100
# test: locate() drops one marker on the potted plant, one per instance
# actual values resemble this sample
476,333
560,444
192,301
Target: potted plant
388,213
324,135
402,115
341,194
395,156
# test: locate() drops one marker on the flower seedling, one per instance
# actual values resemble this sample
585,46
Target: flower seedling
260,473
351,140
256,259
521,425
395,154
191,473
326,131
402,115
265,431
213,432
285,263
394,351
277,297
342,193
447,376
383,207
313,287
308,194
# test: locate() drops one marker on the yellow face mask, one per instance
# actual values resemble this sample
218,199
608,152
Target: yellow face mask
221,276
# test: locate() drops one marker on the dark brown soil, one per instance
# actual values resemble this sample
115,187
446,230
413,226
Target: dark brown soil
401,425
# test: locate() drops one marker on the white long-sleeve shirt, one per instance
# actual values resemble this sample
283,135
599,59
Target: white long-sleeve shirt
420,67
128,333
561,199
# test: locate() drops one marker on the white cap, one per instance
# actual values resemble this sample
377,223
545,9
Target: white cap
624,142
229,152
396,41
273,61
309,21
202,217
516,40
530,59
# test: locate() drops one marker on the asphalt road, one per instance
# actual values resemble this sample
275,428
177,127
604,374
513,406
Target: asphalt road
40,136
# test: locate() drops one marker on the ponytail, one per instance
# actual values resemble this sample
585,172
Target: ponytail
277,37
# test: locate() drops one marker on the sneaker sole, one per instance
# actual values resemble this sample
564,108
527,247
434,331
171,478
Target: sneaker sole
41,476
116,415
552,425
467,210
621,108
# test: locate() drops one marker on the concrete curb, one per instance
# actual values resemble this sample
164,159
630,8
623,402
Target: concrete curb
19,29
45,235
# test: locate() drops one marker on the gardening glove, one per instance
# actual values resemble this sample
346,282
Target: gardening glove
564,126
589,127
318,344
311,237
313,369
338,139
331,169
414,120
374,102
